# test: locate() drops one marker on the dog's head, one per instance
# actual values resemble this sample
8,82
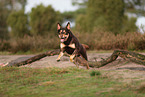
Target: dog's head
63,33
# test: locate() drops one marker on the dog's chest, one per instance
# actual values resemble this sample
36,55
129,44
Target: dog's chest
68,48
62,45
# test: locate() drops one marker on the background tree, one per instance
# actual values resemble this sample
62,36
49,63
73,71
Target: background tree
128,25
3,16
6,7
18,22
43,20
108,15
81,25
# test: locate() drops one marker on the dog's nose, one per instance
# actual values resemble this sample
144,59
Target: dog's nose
61,35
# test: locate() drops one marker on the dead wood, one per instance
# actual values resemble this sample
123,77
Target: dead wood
127,55
34,58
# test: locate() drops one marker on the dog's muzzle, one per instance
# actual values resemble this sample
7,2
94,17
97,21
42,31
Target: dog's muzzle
62,39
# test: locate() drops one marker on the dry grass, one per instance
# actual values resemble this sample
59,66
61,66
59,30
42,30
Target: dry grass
97,40
108,41
33,44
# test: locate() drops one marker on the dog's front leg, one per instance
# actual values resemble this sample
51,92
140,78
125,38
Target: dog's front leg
60,55
62,49
73,55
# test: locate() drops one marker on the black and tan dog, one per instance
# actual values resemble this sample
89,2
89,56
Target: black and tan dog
70,44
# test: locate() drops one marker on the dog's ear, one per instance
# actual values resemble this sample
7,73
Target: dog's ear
58,26
68,26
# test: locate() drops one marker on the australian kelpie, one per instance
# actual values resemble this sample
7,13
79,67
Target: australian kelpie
70,44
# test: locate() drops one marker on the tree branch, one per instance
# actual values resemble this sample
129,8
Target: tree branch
131,56
127,55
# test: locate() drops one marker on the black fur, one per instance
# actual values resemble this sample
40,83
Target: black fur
79,49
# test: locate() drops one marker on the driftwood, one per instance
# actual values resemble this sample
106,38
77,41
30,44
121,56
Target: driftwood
127,55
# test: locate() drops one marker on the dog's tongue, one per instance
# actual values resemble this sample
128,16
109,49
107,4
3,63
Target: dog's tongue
62,40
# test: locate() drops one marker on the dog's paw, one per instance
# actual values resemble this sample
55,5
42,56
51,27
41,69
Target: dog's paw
71,60
58,60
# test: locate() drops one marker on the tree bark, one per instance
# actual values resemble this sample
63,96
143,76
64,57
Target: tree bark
127,55
34,58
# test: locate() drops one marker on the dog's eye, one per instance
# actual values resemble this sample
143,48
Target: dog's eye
64,32
60,31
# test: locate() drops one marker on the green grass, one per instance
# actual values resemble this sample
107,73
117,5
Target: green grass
56,82
95,73
5,53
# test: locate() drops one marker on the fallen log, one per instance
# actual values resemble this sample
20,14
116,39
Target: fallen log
127,55
34,58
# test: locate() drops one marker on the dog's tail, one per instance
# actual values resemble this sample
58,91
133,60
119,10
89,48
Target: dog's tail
85,46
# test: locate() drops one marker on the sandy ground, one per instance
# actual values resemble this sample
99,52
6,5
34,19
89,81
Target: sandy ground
120,67
50,61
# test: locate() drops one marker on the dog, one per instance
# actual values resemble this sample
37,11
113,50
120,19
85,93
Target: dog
70,44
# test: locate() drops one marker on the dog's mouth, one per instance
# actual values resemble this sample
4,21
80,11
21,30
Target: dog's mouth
62,39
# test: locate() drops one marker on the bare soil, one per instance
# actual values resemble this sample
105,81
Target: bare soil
120,67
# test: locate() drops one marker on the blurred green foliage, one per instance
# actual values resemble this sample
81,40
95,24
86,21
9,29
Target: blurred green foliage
3,17
43,20
18,22
73,14
3,25
128,25
107,15
81,23
6,7
107,20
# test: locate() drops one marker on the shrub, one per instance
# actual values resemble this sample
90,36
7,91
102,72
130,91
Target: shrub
98,40
140,43
34,43
101,40
95,73
4,45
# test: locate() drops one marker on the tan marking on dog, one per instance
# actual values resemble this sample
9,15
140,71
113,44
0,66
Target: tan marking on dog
64,31
72,57
72,46
60,55
66,36
62,45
